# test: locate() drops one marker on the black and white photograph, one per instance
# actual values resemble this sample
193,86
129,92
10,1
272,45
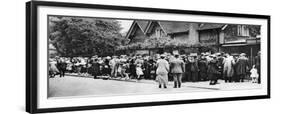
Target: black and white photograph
106,56
87,56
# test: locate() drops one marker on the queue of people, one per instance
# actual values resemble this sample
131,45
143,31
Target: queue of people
192,67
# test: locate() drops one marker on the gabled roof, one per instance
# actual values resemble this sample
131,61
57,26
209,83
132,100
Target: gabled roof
142,24
174,27
137,23
207,26
170,27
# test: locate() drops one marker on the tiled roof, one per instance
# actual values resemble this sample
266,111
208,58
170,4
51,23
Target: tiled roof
174,27
207,26
142,24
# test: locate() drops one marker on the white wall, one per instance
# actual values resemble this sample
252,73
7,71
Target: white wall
12,57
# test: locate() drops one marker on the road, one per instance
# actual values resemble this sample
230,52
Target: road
81,86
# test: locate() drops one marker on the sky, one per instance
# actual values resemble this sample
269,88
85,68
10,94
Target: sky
125,24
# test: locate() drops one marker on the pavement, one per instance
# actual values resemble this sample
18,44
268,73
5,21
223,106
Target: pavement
74,85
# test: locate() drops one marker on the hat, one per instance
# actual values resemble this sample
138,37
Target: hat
193,54
243,54
108,57
213,55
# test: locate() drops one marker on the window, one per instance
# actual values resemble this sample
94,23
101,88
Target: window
242,30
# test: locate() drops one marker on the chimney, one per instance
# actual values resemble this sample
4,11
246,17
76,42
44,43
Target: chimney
193,33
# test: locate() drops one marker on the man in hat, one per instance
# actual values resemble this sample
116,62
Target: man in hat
177,68
242,67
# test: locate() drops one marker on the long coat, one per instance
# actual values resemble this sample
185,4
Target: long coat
162,67
242,66
228,66
95,68
162,71
203,67
212,70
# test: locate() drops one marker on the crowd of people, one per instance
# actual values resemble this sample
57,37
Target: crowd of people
162,67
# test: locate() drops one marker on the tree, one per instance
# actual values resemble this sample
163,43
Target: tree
75,36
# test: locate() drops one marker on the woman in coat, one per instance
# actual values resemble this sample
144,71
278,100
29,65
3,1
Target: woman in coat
194,69
95,68
203,67
162,71
213,70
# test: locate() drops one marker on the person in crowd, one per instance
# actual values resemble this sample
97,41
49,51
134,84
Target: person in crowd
220,58
73,65
177,68
228,68
258,65
213,70
187,73
162,71
152,68
113,66
61,65
139,71
203,67
146,69
193,68
242,67
254,74
78,66
84,70
95,68
53,70
132,68
124,70
106,70
235,77
69,66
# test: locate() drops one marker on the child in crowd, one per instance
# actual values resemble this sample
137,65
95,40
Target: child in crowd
139,71
254,74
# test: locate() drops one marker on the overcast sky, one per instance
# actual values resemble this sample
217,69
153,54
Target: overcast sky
125,24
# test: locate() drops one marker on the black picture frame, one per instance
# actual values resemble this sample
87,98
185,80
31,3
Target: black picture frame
32,54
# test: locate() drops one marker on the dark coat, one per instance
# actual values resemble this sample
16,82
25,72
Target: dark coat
203,65
212,67
191,66
95,68
61,65
242,66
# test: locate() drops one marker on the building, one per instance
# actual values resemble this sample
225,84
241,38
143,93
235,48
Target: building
194,37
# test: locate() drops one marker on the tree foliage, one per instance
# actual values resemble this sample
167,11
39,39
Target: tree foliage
163,42
75,36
